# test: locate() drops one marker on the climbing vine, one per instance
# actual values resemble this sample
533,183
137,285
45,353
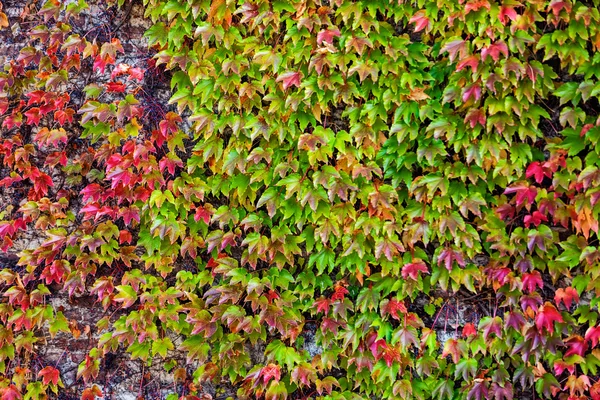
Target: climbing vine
345,199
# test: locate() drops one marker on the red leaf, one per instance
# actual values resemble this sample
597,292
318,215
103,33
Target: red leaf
494,51
546,317
35,97
567,296
340,293
115,87
473,91
49,374
322,305
41,182
92,191
471,61
327,35
10,393
507,13
447,256
125,237
593,335
469,330
476,5
536,218
538,171
136,73
576,345
558,5
119,70
560,366
170,124
62,116
531,281
392,307
33,116
524,193
420,20
91,393
202,214
269,372
290,79
412,270
3,105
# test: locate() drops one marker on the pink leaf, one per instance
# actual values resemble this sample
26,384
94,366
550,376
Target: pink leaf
290,79
327,35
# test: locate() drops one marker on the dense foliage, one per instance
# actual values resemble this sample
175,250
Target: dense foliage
354,173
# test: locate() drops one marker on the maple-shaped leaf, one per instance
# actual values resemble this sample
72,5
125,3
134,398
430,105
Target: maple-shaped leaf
473,91
454,348
560,366
494,50
304,374
577,385
270,371
327,35
10,393
593,334
392,307
49,374
412,270
340,293
448,256
33,116
290,78
469,330
576,345
525,193
532,281
169,124
566,295
538,171
420,20
406,336
547,385
471,61
455,48
62,116
479,391
535,218
502,392
558,5
46,136
490,325
91,393
115,87
546,316
322,305
506,13
475,116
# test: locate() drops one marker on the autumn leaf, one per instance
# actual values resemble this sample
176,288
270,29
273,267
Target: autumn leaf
567,296
412,270
531,281
546,316
290,79
327,36
420,20
49,374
